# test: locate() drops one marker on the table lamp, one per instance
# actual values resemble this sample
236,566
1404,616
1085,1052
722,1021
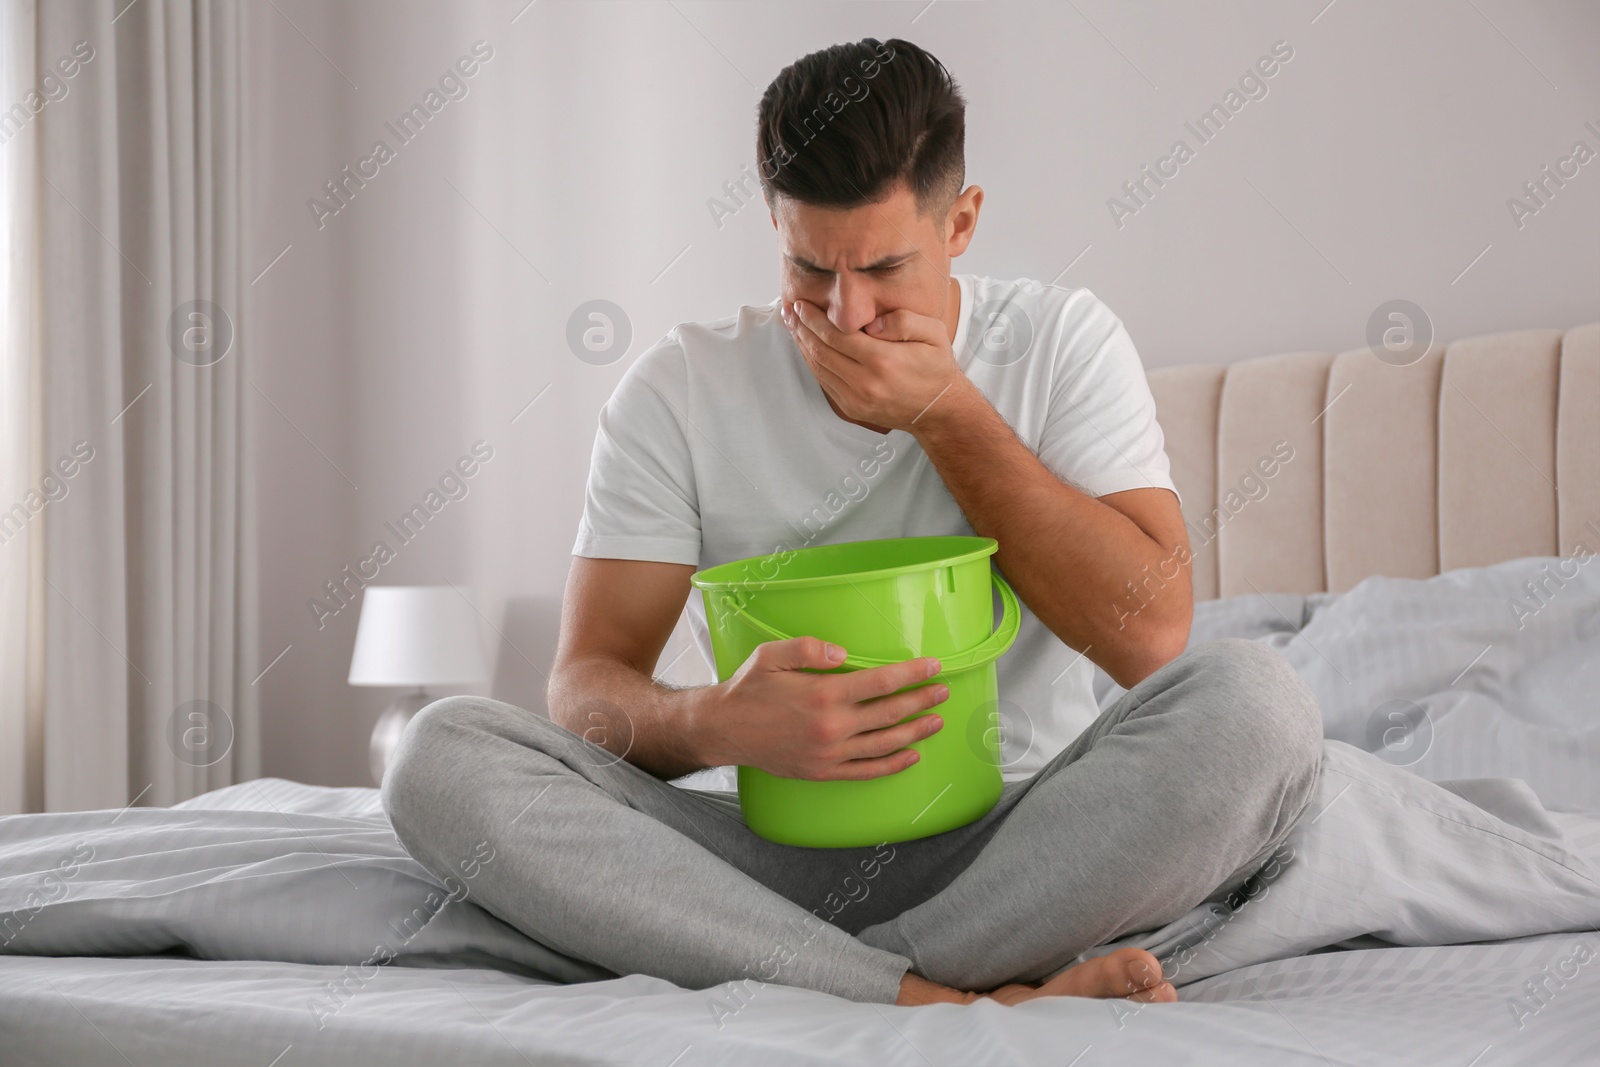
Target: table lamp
413,635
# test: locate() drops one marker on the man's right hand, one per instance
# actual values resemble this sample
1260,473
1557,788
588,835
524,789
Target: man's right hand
776,715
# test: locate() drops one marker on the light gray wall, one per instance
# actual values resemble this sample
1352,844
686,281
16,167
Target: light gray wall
430,311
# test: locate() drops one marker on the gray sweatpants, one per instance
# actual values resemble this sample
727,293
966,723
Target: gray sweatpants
1174,796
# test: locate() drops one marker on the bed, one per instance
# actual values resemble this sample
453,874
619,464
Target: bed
1385,560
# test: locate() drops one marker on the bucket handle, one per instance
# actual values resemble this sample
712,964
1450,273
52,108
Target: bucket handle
988,650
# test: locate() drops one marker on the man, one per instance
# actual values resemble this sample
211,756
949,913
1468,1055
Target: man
879,397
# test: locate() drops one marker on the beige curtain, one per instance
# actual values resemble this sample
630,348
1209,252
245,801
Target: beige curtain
19,729
127,671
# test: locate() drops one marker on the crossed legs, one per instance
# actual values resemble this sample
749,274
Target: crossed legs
1175,795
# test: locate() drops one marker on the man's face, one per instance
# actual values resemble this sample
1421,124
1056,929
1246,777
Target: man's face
859,263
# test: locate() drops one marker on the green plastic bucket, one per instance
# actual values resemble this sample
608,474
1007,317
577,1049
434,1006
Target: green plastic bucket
883,601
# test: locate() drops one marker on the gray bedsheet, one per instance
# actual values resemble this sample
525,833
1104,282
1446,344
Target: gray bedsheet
1400,1006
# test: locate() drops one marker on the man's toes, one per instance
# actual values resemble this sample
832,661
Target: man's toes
1126,972
1134,971
1158,994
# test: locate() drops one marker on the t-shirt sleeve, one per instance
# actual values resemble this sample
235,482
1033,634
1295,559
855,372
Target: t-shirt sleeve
1100,432
640,502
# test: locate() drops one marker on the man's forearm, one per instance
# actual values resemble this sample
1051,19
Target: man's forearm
612,704
1069,556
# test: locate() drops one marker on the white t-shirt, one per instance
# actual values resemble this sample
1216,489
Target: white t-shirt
719,444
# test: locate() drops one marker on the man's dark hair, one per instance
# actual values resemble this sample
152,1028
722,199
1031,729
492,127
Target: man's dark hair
843,126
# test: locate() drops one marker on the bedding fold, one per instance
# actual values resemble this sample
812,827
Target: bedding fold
1478,672
221,883
1384,857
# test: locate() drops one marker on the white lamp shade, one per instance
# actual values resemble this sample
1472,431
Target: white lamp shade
416,635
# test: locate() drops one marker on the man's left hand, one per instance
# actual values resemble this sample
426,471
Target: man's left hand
893,374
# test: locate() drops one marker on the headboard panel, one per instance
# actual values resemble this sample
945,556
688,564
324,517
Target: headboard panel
1382,468
1578,439
1483,450
1497,448
1267,404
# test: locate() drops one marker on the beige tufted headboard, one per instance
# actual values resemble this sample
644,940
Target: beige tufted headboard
1486,449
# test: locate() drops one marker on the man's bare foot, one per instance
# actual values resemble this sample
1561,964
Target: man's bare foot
1128,972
